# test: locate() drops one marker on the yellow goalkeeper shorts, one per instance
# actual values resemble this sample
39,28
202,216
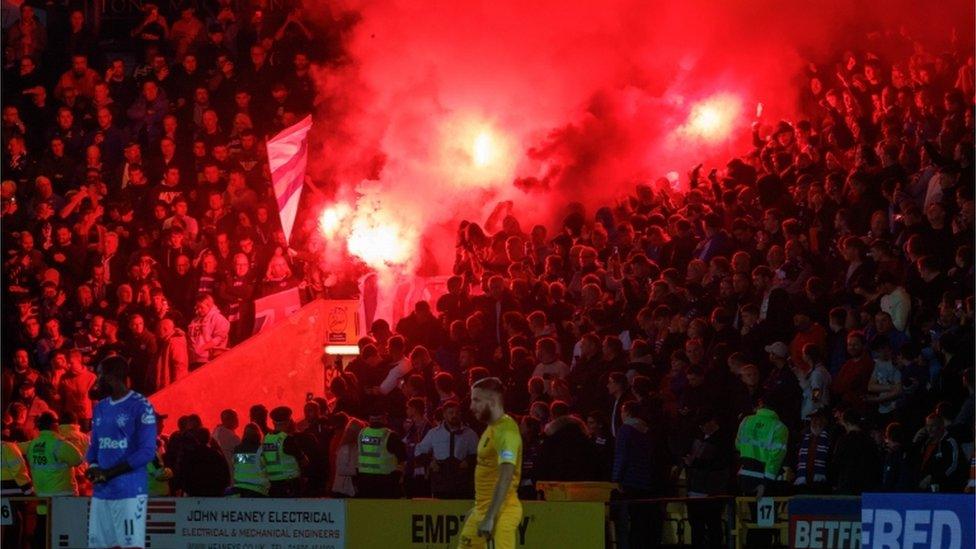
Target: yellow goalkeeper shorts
504,535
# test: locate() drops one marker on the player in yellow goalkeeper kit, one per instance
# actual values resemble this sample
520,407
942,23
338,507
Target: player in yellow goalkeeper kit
497,511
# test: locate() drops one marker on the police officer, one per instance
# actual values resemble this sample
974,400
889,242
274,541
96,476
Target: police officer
381,457
282,455
250,471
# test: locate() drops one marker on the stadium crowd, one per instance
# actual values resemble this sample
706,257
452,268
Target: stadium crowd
800,321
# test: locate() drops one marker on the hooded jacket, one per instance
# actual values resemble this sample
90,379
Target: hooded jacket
761,442
632,464
212,326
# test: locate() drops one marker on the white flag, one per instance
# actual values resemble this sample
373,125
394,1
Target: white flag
287,158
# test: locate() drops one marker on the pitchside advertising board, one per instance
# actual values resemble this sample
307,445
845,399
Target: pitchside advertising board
825,522
907,521
219,523
242,523
436,524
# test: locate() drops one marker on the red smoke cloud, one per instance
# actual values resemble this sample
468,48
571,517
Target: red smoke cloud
440,109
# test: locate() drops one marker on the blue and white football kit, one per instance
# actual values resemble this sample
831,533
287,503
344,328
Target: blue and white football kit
123,430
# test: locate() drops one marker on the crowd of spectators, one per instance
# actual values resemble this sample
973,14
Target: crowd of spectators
824,279
137,211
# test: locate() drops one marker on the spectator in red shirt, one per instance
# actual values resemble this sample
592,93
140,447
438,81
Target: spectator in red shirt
851,384
808,332
80,77
73,389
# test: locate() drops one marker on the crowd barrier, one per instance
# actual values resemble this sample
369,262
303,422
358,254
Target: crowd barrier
806,522
671,519
243,523
765,518
883,521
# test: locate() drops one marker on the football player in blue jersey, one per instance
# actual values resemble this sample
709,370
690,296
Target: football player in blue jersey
123,441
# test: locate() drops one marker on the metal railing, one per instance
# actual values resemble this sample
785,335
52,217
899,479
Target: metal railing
677,521
671,522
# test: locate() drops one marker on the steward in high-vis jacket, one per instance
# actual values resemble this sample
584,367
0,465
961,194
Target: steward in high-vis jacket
16,481
381,457
761,443
52,459
282,455
250,470
159,476
14,473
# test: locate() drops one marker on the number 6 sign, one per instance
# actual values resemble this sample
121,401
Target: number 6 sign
6,513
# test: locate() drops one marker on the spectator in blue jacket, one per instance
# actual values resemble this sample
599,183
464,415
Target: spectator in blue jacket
146,114
898,474
638,523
